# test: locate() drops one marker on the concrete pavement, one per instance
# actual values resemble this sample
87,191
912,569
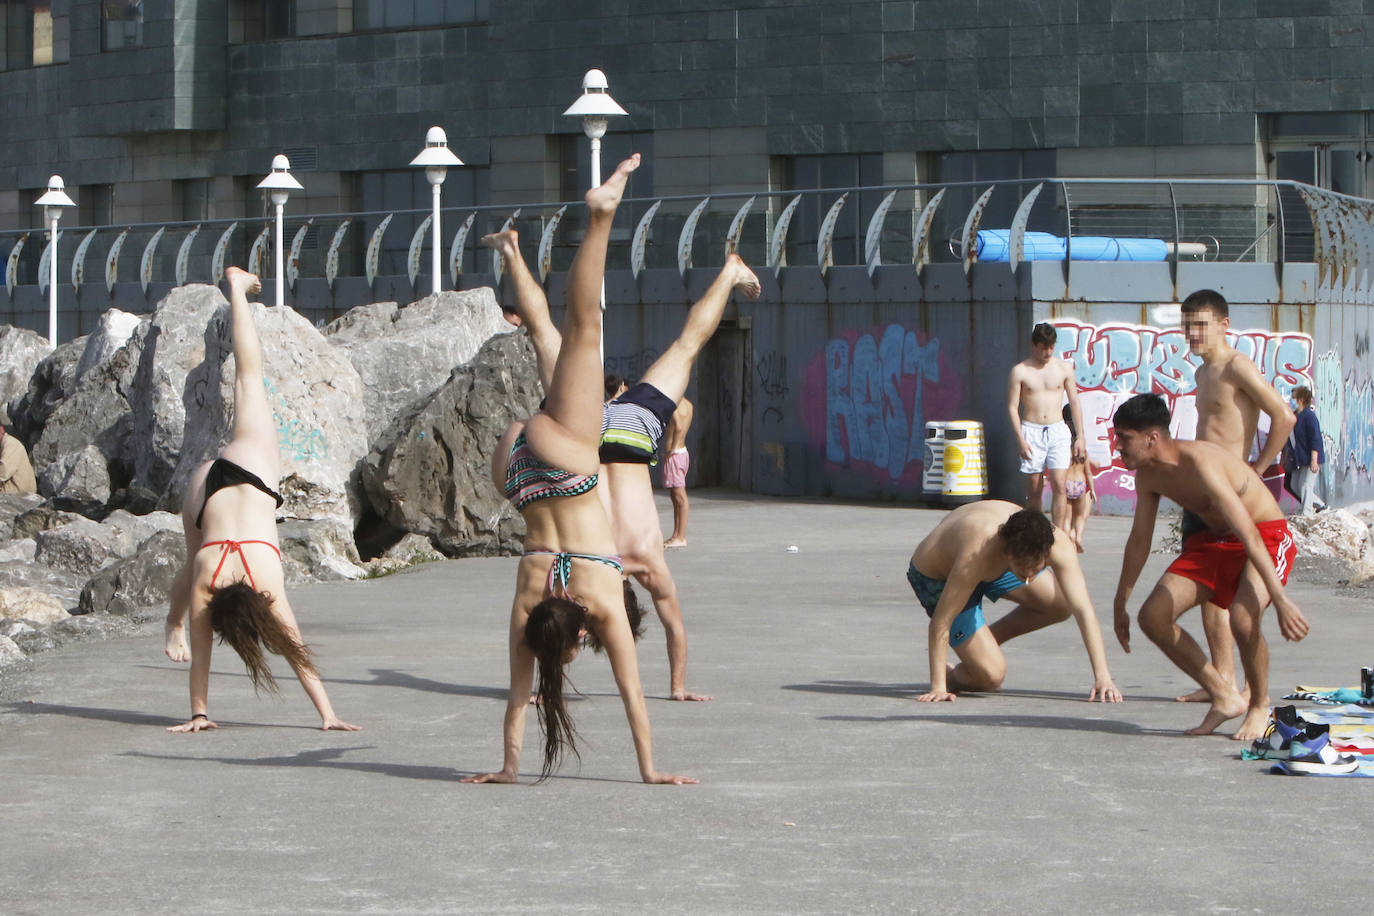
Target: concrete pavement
825,787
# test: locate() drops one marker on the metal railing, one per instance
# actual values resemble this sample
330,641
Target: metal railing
914,224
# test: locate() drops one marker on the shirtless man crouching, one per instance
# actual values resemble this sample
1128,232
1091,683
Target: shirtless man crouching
1231,393
990,549
1240,560
1035,398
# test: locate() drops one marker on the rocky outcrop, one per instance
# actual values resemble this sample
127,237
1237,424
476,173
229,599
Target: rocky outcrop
434,479
21,351
404,354
1333,545
139,583
318,551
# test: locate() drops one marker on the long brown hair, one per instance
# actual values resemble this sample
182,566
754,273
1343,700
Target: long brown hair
552,632
242,617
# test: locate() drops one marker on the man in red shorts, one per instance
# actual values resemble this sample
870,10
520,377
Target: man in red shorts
1241,560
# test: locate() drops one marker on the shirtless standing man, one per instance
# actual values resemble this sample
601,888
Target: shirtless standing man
989,549
1241,558
1035,401
1231,393
631,442
675,464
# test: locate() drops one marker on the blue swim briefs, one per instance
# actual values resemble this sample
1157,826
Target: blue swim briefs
970,620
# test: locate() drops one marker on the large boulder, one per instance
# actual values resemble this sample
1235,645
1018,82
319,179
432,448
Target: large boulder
112,332
53,378
82,477
62,584
13,505
139,582
1333,545
21,350
404,354
318,551
314,392
80,547
434,478
32,604
86,427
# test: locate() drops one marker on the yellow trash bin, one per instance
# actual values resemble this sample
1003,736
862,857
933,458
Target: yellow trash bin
965,463
933,477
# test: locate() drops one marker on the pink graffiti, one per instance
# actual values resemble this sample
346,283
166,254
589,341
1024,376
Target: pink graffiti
868,396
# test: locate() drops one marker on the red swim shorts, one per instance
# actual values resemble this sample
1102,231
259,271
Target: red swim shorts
675,469
1217,561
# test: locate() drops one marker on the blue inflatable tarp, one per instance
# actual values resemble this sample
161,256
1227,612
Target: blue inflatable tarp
995,245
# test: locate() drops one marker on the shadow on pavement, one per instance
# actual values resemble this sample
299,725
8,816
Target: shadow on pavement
125,716
1063,723
328,758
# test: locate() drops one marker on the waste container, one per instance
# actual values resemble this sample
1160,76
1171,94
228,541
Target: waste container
965,463
933,477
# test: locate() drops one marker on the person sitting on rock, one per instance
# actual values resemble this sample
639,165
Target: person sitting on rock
632,431
569,584
232,583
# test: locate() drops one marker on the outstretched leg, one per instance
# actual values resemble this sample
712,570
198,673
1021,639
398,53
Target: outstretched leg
671,372
253,440
575,392
530,303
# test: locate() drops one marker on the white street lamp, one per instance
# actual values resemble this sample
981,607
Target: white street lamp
52,203
595,107
436,158
280,184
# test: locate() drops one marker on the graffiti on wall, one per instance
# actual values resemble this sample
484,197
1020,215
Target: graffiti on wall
1114,362
868,397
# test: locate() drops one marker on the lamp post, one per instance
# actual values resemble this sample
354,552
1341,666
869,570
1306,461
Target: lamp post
436,158
595,107
52,203
279,185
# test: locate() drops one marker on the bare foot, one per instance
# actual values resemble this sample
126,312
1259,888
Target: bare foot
606,197
745,281
1202,696
177,650
1227,708
1253,726
686,696
506,244
674,542
241,280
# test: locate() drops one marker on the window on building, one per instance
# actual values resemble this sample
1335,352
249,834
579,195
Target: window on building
1018,170
194,198
1328,149
837,171
404,14
95,205
382,192
261,20
36,33
574,152
121,24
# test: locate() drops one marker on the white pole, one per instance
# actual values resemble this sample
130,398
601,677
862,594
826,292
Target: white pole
52,289
280,285
436,287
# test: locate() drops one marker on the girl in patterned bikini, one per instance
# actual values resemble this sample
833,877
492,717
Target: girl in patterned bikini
569,585
232,584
